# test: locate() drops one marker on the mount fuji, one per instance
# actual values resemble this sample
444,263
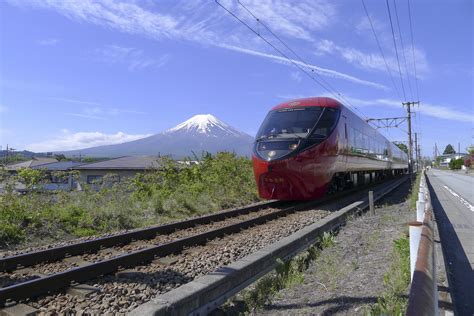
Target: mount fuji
201,133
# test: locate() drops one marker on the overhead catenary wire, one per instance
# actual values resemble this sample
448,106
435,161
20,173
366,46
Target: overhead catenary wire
403,48
420,122
413,51
380,49
295,54
335,94
396,51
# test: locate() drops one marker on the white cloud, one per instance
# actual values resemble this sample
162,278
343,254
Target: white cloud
296,76
322,71
375,61
134,58
71,141
102,113
434,110
204,22
48,42
75,101
296,20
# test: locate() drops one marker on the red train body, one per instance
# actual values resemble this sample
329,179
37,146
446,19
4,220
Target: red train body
307,148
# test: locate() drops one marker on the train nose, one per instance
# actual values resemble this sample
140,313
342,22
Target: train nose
275,186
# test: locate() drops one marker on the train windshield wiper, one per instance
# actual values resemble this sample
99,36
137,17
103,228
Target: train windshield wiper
266,137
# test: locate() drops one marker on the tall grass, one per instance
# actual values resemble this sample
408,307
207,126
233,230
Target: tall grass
396,281
414,191
170,193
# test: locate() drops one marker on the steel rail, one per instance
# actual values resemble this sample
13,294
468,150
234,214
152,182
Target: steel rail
60,280
50,283
57,253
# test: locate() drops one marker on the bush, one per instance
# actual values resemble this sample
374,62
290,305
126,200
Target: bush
174,192
456,163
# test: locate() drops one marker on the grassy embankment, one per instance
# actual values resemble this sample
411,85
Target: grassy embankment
156,196
397,279
286,275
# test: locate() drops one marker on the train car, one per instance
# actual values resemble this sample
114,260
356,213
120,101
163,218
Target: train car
308,148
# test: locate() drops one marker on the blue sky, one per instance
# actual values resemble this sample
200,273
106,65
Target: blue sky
76,74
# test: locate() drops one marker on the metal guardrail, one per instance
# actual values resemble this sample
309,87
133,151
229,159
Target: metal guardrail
423,298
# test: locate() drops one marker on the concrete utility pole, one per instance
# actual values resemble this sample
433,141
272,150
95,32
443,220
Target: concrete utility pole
410,142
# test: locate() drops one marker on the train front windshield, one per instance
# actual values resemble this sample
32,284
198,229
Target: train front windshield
289,123
287,130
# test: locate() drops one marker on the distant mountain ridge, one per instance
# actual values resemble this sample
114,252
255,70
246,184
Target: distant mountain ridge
201,133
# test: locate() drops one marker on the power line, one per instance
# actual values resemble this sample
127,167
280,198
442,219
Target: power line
294,53
381,50
283,54
413,52
396,50
403,47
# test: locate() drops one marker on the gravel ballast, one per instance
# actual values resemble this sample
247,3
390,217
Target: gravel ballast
348,277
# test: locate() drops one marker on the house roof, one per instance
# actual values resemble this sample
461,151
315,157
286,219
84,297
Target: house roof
59,165
36,161
123,163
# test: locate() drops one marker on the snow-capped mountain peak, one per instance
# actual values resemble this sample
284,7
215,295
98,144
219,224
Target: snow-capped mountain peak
204,124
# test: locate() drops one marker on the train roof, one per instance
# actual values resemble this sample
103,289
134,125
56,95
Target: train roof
305,102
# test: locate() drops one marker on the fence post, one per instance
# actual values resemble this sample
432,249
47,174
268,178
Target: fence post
371,202
415,236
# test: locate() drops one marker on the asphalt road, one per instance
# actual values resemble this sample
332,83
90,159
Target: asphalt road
452,196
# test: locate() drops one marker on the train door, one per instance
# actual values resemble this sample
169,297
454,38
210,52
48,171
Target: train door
345,152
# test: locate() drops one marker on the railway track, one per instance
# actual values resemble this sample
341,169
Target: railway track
139,248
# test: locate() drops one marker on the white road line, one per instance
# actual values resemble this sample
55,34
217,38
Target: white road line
463,201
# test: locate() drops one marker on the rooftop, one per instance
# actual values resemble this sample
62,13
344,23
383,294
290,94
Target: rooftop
59,165
123,163
36,161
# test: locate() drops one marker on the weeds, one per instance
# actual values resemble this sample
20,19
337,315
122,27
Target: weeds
414,192
156,196
287,274
396,281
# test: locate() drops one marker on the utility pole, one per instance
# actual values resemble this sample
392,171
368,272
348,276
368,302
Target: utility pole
410,142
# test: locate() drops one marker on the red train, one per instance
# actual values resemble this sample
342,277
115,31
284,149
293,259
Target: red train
307,148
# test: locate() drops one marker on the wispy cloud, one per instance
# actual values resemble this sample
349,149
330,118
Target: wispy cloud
296,20
75,101
48,42
87,116
374,61
296,76
434,110
322,71
134,58
205,23
95,110
102,113
71,141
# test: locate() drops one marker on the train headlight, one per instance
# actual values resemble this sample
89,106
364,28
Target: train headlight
293,146
271,153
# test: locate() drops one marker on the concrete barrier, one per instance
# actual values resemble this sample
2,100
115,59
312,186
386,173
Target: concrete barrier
206,293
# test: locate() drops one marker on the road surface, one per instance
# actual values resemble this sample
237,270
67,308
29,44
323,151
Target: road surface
452,196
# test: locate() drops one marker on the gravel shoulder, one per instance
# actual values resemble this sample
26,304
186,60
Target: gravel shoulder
348,277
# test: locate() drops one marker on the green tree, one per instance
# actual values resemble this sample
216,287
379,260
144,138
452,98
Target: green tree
30,177
403,147
456,163
449,150
60,157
